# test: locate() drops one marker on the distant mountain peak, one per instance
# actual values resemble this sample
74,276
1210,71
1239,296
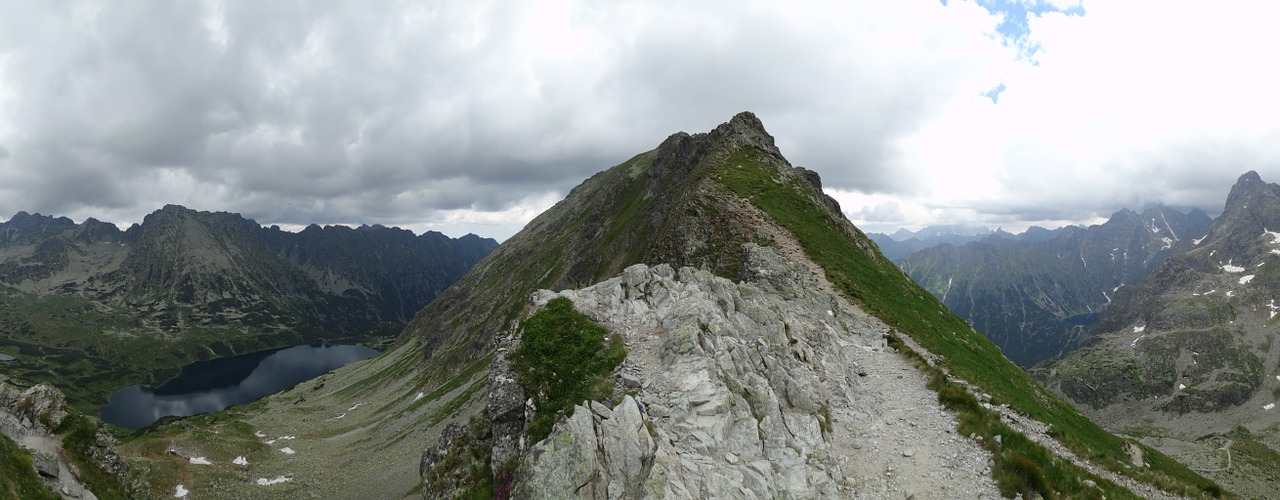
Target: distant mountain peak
1247,194
1248,178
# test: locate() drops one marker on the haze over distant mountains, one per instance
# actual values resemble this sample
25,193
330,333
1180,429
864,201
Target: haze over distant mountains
1035,294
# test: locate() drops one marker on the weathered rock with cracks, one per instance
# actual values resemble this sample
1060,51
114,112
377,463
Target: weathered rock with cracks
745,390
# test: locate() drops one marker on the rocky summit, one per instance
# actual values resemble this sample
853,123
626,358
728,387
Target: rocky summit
758,364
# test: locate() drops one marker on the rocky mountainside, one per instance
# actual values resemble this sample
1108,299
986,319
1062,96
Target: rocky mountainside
1036,298
50,451
734,387
736,178
770,349
1191,352
96,306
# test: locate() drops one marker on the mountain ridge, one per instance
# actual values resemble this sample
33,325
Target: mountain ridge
1035,298
1188,357
201,285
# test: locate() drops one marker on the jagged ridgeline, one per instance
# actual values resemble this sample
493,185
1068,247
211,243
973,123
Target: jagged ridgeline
1189,359
694,201
92,308
1037,299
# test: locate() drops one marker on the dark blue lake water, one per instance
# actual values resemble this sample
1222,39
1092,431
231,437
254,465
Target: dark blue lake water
209,386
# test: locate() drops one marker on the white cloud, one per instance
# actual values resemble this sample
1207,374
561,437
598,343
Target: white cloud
1133,103
469,113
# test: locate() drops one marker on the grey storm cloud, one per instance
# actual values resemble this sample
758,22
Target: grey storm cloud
295,99
261,104
298,112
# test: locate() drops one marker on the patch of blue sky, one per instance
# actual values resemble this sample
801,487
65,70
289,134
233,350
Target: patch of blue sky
1015,20
994,93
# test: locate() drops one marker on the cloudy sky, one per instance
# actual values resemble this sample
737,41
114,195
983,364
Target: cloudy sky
474,116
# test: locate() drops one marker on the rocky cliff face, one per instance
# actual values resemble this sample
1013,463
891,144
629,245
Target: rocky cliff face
36,419
767,388
1195,330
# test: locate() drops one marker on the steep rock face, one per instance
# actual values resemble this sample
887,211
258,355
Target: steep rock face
1195,329
33,418
766,388
1036,298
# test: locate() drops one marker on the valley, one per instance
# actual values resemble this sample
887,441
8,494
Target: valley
92,308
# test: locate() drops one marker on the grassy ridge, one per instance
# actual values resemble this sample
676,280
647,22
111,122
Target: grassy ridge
874,283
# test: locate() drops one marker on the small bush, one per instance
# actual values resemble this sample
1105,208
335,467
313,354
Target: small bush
563,360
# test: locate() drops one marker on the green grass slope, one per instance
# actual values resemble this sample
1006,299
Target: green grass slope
18,478
873,282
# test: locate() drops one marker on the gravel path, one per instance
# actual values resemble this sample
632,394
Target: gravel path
907,427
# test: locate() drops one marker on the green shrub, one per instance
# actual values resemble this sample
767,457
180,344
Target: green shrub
563,360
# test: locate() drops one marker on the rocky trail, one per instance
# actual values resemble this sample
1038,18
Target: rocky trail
720,370
764,389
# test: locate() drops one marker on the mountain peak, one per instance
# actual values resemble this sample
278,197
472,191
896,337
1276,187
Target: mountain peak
1248,187
745,129
1249,178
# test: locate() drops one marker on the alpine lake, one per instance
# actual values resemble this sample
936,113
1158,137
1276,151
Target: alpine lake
212,385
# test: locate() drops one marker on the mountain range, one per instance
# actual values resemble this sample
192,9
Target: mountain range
1188,358
95,308
904,242
1036,296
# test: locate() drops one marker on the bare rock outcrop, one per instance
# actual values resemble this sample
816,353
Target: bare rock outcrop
33,418
767,388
